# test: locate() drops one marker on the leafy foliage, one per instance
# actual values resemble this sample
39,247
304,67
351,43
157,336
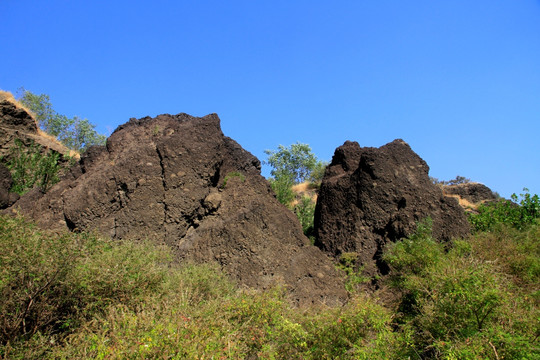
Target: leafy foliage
79,296
293,165
348,263
458,180
305,211
75,133
458,303
520,212
31,167
296,161
282,185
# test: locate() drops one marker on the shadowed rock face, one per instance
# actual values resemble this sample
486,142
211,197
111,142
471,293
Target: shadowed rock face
163,179
371,196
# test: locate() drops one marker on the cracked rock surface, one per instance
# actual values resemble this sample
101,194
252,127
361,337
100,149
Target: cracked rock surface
163,179
372,196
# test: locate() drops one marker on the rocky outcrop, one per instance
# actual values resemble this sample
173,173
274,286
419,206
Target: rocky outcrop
470,195
17,123
371,196
177,180
19,130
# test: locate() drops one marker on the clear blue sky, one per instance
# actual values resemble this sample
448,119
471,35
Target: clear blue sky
458,80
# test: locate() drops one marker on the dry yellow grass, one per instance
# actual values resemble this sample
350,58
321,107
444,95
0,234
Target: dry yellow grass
464,203
6,95
304,189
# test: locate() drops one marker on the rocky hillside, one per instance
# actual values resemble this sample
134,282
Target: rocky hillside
178,180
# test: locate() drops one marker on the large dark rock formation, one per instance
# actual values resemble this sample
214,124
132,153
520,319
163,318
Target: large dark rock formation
371,196
178,180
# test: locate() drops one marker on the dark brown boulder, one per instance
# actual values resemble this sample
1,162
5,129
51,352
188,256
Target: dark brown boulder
178,180
371,196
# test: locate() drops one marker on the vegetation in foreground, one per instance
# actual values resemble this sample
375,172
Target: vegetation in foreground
79,296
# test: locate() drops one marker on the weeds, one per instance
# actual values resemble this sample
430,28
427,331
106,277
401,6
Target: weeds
80,296
31,167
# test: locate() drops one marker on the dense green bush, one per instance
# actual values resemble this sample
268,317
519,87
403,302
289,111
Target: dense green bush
77,296
30,166
52,282
282,185
305,211
460,304
519,212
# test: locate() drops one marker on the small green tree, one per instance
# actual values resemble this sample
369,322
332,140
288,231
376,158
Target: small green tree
75,133
292,165
81,134
296,160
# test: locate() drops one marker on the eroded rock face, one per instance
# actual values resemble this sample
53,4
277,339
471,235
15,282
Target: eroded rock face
371,196
17,123
163,179
470,194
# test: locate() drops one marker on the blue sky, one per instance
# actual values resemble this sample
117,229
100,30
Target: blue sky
458,80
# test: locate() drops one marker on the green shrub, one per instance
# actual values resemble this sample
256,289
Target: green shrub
415,254
305,211
520,212
348,264
30,167
53,282
459,303
76,296
282,186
